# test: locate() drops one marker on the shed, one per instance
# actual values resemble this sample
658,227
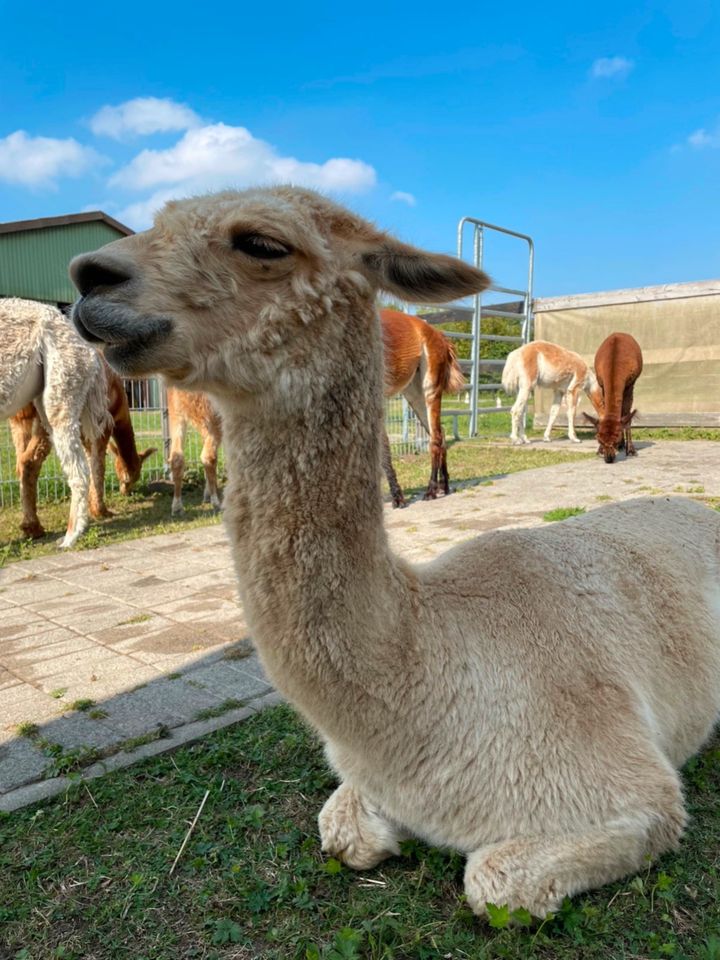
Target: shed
34,254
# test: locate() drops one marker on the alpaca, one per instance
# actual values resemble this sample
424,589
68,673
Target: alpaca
543,364
32,446
196,408
43,361
420,363
518,699
618,364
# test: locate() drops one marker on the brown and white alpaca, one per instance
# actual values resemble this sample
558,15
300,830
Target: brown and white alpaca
196,408
32,445
618,364
43,361
544,364
420,364
519,699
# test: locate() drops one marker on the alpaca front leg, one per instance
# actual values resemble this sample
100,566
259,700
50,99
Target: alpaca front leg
71,454
355,831
537,873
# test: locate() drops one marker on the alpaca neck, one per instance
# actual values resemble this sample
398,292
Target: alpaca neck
323,595
124,437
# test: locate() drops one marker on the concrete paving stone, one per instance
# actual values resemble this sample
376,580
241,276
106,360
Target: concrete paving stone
21,762
138,625
57,643
228,683
167,702
250,666
74,666
76,730
93,612
8,679
102,688
36,590
24,703
17,621
194,607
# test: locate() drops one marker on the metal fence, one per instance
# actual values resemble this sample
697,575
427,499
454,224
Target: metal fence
149,416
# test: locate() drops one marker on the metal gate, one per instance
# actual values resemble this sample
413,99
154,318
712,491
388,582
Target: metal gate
484,388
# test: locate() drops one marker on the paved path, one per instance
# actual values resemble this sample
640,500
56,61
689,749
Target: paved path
151,632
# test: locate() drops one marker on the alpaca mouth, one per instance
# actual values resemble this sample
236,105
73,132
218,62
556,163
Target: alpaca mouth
127,339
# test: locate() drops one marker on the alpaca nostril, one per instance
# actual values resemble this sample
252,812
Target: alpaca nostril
88,273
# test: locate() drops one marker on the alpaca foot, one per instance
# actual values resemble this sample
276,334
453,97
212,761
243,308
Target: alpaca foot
33,529
352,830
575,439
494,876
631,451
70,538
101,513
177,508
431,493
398,501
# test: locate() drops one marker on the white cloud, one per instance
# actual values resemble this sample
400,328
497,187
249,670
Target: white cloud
218,155
611,67
701,138
141,117
41,161
403,197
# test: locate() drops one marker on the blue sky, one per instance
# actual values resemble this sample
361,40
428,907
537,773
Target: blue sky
593,127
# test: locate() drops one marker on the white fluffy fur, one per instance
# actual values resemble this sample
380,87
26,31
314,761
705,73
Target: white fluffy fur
526,698
43,360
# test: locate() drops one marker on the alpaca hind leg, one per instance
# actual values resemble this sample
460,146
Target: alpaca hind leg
355,831
177,464
572,401
538,872
209,458
32,446
417,397
552,416
71,454
517,417
398,499
96,456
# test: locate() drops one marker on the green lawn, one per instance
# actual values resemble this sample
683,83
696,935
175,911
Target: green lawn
86,877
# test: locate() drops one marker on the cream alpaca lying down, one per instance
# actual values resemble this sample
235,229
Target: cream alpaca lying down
525,699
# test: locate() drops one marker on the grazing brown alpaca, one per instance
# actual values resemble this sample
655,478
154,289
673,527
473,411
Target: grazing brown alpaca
32,446
185,407
618,364
520,699
420,364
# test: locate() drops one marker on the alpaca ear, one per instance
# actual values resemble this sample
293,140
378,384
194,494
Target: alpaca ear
417,276
147,453
627,419
593,421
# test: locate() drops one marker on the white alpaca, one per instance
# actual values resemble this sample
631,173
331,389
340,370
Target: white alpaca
520,699
543,364
44,361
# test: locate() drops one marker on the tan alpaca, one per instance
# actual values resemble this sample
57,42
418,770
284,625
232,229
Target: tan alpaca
526,698
544,364
196,408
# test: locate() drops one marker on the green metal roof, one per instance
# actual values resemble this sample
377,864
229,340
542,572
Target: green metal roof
34,254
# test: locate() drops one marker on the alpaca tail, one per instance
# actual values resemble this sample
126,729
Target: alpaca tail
511,372
453,379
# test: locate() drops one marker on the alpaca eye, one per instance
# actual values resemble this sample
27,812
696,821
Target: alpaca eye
260,247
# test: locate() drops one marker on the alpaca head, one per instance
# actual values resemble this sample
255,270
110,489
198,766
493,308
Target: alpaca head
128,476
237,290
609,433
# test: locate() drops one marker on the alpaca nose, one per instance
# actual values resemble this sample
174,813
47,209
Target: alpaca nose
89,271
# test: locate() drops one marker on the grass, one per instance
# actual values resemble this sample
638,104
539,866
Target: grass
562,513
87,875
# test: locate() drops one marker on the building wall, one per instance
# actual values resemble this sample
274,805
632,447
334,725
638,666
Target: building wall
33,263
678,329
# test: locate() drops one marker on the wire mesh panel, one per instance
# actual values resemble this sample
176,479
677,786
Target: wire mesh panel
148,411
405,432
